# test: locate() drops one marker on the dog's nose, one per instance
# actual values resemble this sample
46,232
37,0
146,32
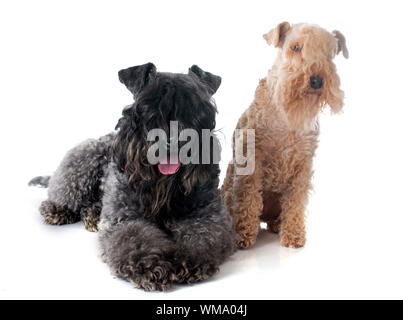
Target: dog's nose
316,82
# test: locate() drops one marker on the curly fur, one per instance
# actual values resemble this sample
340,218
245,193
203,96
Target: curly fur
284,117
75,189
154,229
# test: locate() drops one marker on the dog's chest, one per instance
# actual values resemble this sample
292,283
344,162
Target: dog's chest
284,156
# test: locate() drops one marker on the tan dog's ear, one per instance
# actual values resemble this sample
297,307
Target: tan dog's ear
276,37
341,44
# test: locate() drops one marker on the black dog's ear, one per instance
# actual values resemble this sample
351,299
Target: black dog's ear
136,78
212,81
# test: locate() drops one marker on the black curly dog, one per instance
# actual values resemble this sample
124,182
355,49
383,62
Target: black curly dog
158,225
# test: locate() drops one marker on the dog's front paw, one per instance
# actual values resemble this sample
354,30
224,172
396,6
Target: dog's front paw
294,242
246,240
157,279
186,273
247,234
149,273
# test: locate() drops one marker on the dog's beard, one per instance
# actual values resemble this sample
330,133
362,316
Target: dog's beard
155,188
301,104
300,107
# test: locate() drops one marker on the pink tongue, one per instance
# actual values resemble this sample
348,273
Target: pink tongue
170,166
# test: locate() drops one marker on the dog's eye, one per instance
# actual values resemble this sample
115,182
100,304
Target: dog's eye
296,48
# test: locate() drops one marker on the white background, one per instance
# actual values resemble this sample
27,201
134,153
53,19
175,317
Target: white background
58,86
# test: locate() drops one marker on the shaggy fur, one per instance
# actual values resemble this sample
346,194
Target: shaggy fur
284,115
74,190
154,229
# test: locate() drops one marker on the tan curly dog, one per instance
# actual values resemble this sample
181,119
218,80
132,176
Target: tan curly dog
284,116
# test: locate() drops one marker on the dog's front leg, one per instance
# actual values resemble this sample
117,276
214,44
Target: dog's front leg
205,239
139,252
294,201
248,206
